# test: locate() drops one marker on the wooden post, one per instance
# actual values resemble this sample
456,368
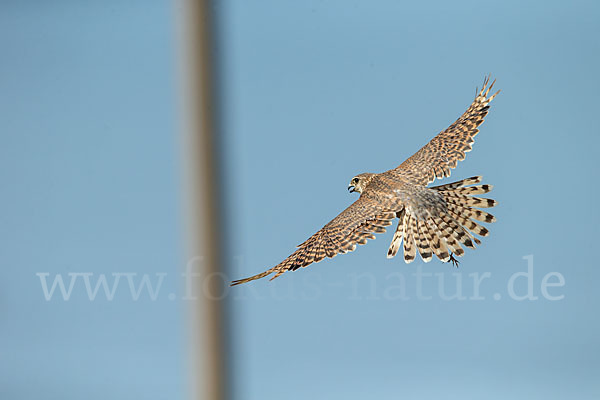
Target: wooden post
206,333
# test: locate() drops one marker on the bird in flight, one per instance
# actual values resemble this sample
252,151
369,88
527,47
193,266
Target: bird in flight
435,221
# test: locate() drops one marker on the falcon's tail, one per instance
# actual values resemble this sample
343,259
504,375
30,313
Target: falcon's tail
444,233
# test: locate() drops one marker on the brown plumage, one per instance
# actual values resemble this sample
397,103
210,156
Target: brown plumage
431,221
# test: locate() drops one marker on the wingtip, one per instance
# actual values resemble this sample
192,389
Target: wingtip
255,277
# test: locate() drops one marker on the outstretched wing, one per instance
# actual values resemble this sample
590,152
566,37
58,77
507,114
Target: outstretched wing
353,226
436,158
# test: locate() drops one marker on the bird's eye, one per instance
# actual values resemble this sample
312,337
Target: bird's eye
355,180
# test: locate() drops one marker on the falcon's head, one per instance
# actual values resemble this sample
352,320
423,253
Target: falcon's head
360,182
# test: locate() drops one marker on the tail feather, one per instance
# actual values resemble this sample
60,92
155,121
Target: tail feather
432,238
471,190
458,231
440,249
468,201
448,235
470,225
423,243
457,219
409,242
454,185
472,213
398,235
455,226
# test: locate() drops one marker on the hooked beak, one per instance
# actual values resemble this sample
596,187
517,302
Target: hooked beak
351,189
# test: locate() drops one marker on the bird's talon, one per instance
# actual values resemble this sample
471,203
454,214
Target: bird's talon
453,260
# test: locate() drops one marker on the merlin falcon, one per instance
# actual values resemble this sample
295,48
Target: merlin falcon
435,221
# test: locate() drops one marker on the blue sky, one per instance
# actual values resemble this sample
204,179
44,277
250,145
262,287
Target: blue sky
91,184
312,93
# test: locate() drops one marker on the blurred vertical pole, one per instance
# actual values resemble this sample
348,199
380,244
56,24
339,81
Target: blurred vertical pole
206,333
